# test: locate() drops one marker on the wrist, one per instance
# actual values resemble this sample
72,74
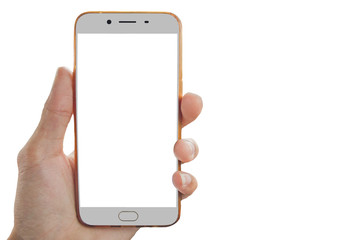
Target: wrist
14,236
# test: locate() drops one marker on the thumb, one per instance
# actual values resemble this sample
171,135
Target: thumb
58,108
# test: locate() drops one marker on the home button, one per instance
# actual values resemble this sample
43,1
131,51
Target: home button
128,216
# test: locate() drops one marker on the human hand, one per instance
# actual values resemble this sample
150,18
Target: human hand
45,197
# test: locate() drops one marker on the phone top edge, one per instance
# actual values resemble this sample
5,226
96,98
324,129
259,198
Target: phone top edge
95,22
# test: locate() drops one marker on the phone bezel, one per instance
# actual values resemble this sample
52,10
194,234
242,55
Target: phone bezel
161,22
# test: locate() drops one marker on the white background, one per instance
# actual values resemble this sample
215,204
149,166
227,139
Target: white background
279,133
124,76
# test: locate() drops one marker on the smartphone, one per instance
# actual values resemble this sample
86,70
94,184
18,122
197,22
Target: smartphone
128,88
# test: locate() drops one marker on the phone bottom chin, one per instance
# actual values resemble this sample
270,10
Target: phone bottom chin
132,216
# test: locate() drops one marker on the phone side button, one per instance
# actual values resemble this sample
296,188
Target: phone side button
128,216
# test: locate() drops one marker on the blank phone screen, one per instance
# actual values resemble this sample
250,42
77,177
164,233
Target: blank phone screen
127,118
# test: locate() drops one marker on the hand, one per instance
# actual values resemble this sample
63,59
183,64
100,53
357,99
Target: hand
45,197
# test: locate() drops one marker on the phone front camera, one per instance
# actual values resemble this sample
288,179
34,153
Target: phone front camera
108,21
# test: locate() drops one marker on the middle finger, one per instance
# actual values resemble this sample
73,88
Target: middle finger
186,149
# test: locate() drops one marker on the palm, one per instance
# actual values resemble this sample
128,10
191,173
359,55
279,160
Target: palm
48,209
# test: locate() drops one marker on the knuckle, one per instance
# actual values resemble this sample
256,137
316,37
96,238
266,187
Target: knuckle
21,158
27,159
22,154
27,153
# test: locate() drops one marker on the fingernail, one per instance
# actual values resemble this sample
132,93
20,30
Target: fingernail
185,179
190,144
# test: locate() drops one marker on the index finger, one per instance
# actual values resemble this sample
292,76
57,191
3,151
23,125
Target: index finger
191,106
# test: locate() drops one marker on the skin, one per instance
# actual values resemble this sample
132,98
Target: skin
45,197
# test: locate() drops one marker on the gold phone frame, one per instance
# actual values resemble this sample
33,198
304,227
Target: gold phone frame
180,94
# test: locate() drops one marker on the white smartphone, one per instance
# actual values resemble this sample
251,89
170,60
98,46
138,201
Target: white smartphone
128,89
